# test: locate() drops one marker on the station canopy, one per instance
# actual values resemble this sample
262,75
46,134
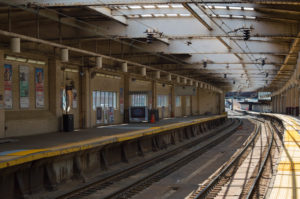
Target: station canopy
236,45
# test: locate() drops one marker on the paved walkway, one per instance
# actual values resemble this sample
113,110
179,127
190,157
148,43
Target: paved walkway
29,148
287,180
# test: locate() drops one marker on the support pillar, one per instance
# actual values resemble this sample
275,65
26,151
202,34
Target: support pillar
126,97
296,100
198,99
154,94
287,99
173,101
293,101
278,103
55,88
87,100
273,104
290,101
2,112
283,102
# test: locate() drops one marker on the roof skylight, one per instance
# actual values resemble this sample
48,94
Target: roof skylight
235,8
163,6
159,15
172,15
146,15
135,7
149,6
185,15
249,9
176,6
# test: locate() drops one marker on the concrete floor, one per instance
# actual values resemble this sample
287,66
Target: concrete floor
61,138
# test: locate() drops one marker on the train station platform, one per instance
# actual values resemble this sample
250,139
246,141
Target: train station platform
19,150
287,180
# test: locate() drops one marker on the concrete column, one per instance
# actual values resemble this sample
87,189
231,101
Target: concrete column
283,105
273,104
222,102
198,99
293,104
290,100
173,101
55,86
87,99
2,112
287,101
296,100
126,97
277,103
154,94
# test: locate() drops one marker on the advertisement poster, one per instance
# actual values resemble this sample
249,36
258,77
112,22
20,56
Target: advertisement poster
63,99
69,99
74,98
7,86
98,115
39,88
24,86
121,100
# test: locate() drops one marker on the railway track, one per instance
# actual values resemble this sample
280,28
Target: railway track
161,166
219,185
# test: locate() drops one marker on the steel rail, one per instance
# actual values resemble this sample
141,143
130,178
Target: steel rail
140,166
143,183
204,192
258,176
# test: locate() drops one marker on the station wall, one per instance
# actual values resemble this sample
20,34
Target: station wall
84,82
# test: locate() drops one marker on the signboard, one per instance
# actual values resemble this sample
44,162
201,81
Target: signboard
24,86
185,90
264,96
8,86
39,88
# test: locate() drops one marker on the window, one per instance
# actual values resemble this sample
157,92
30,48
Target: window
178,101
139,99
94,100
188,101
104,99
162,100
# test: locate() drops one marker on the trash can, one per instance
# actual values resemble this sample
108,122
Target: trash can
68,122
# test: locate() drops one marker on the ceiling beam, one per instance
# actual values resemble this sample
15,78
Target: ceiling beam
197,16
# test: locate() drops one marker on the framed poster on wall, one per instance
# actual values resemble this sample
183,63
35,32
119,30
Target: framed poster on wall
39,88
24,86
8,86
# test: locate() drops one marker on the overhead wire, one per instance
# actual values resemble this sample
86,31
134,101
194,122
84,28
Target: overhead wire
226,32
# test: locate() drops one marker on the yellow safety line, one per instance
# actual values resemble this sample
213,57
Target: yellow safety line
30,155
